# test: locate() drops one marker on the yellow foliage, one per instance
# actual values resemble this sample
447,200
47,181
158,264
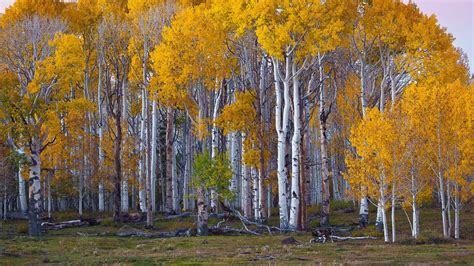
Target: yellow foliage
240,115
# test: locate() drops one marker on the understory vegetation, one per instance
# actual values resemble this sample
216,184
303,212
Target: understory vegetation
98,244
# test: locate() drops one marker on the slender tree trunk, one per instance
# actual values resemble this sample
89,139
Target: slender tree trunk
169,160
303,184
149,204
384,220
323,115
22,191
50,199
457,211
175,179
416,222
443,205
214,143
154,125
118,159
142,162
81,189
34,188
202,212
124,199
256,194
394,232
187,166
234,159
246,195
364,203
295,153
100,133
448,207
261,142
281,124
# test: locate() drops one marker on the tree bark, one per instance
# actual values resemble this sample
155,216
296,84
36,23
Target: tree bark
295,152
323,115
154,125
118,158
169,159
457,211
202,229
142,163
34,188
100,133
246,196
214,143
281,124
21,190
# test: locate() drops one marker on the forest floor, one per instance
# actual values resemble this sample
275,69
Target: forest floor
99,245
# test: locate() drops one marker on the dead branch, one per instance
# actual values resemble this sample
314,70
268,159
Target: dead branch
245,221
229,230
132,232
344,238
68,224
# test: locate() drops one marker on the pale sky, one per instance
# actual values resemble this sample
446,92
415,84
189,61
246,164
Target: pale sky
456,15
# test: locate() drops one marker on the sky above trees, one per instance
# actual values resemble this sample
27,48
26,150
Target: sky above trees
456,15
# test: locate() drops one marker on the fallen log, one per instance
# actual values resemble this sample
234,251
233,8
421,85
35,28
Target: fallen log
69,224
62,225
231,231
322,234
166,234
344,238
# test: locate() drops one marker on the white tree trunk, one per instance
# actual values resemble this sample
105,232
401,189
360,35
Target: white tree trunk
142,162
323,115
256,194
154,125
214,143
187,168
22,192
384,220
281,124
124,191
443,204
364,208
295,152
448,207
246,195
414,230
175,179
35,188
100,133
378,218
364,211
457,211
234,159
394,231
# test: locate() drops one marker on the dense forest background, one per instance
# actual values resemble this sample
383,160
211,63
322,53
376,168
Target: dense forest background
156,106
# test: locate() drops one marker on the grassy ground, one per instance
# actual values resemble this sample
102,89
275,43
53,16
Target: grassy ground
98,245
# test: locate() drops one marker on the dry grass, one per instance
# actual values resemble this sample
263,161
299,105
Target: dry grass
66,246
